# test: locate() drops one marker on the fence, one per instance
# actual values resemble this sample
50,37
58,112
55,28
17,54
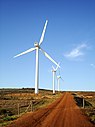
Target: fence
16,107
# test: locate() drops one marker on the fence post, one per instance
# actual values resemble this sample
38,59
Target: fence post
18,109
31,103
83,103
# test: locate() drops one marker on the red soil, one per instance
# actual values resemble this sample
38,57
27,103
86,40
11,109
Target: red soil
62,113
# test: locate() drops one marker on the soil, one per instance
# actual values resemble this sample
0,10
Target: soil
62,113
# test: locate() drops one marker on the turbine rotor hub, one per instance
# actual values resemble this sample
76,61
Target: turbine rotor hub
58,77
53,70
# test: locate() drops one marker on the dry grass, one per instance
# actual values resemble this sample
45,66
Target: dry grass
10,98
89,104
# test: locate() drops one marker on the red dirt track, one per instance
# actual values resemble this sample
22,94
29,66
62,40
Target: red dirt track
62,113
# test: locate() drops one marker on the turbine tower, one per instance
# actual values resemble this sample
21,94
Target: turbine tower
54,74
37,47
58,81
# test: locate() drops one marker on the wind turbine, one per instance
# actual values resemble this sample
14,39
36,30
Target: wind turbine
54,74
37,47
58,81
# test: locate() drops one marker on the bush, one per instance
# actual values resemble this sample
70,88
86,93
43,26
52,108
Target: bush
9,118
6,112
3,111
93,119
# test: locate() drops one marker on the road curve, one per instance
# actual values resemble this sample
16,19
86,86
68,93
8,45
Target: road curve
62,113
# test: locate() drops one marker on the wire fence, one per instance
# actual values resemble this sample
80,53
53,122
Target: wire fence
17,107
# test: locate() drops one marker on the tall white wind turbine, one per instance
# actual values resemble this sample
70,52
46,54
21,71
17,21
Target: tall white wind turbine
37,48
54,74
58,81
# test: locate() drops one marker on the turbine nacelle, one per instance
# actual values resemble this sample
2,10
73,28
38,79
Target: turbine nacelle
53,70
36,44
58,76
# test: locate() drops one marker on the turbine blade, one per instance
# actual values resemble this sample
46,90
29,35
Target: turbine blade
53,68
62,78
43,33
59,71
57,66
27,51
49,57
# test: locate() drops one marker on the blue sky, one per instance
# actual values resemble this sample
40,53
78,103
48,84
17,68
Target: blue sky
69,39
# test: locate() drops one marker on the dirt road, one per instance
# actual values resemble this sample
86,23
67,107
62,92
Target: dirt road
62,113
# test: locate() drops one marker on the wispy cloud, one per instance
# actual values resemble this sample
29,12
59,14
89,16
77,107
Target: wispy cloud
76,52
92,65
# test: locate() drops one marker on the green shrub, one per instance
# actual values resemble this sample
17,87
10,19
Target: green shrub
9,118
3,111
93,118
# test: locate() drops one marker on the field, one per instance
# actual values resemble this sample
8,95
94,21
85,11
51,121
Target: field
16,102
89,103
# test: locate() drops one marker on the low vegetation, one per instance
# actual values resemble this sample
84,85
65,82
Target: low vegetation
89,103
15,102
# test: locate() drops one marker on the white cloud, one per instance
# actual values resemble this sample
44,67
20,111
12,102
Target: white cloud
76,52
93,65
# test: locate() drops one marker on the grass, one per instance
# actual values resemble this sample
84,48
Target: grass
89,99
5,124
7,120
93,119
46,100
10,98
10,118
